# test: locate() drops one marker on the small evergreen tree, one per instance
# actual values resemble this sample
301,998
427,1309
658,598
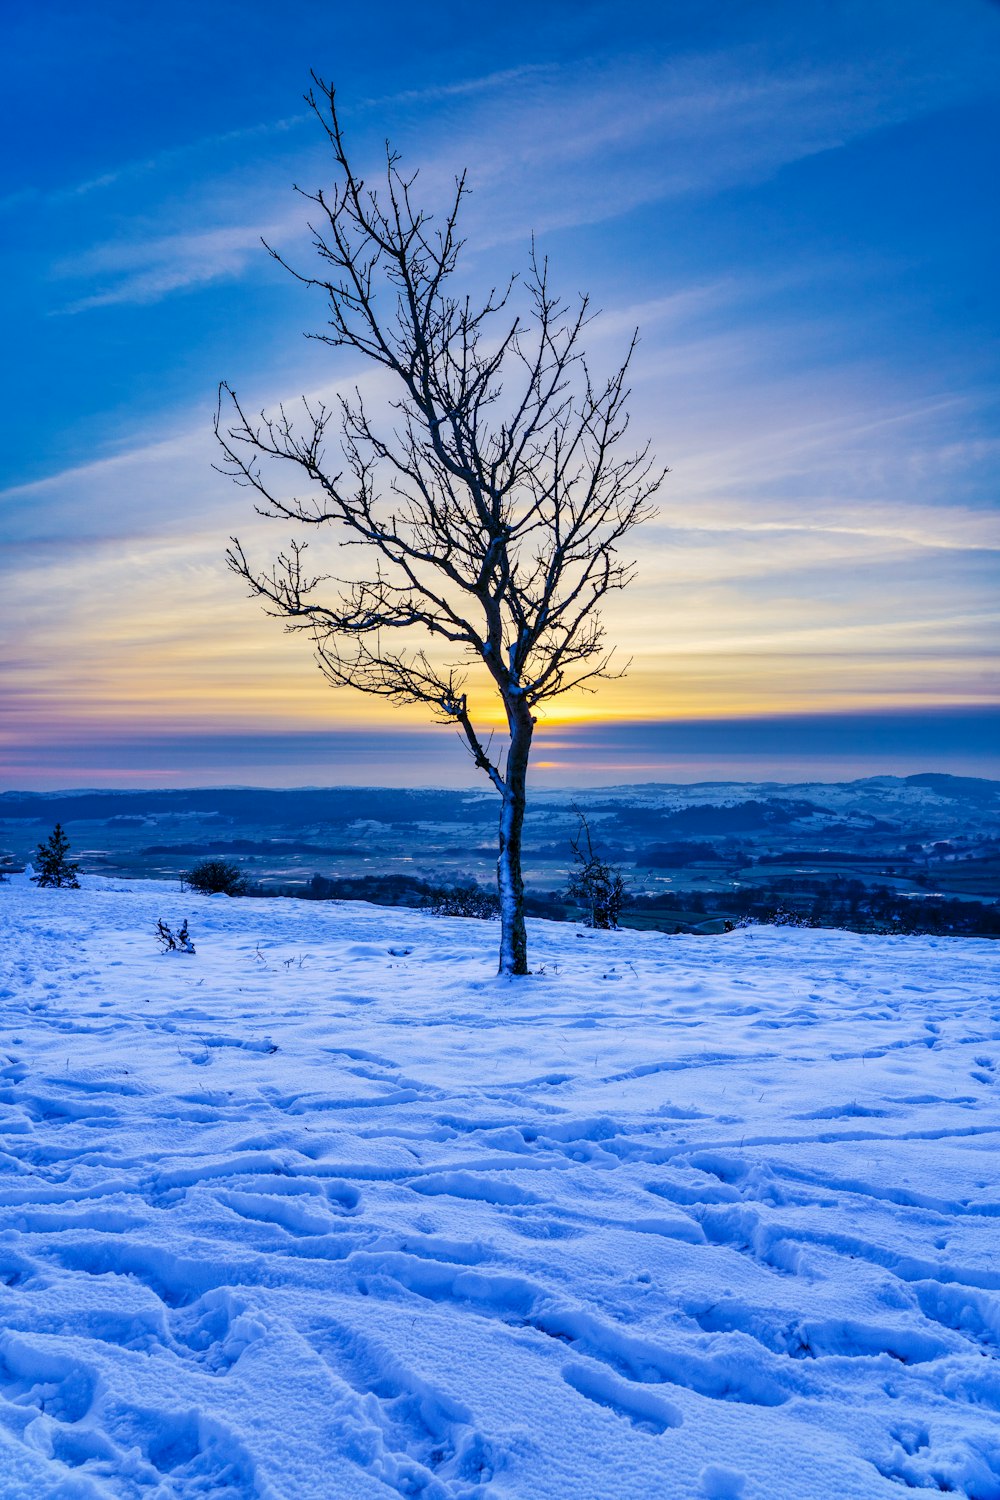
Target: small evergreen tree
598,886
54,868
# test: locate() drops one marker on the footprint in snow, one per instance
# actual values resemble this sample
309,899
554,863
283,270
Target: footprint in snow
647,1411
429,1442
61,1387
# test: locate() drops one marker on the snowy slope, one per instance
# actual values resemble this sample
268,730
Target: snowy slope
328,1211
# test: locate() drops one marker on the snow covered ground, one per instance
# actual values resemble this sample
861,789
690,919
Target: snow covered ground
328,1210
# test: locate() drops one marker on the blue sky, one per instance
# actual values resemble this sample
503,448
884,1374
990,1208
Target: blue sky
797,205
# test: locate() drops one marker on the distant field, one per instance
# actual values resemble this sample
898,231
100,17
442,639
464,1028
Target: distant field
885,854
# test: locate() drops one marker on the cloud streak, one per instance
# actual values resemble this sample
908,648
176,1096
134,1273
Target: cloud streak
146,271
547,149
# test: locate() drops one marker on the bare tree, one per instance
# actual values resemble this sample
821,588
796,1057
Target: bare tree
601,888
491,499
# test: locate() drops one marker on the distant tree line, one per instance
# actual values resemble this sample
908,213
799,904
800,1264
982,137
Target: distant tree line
463,898
845,903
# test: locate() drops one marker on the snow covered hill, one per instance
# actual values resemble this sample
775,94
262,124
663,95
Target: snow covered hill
327,1211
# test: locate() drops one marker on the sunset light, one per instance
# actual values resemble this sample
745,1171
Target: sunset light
793,219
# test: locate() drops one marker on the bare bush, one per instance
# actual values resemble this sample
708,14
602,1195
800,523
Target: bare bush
599,887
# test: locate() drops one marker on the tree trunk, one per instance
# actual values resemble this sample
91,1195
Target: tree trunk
513,936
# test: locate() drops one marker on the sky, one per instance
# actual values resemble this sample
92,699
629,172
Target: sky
797,207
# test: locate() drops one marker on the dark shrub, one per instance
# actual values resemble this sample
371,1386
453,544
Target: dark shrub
467,901
214,877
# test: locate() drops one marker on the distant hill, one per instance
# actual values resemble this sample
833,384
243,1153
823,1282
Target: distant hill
881,853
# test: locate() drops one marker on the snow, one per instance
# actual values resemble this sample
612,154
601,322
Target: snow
328,1210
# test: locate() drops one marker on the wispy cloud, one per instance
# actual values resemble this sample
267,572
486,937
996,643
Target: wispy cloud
145,271
461,88
756,589
547,149
599,140
129,172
